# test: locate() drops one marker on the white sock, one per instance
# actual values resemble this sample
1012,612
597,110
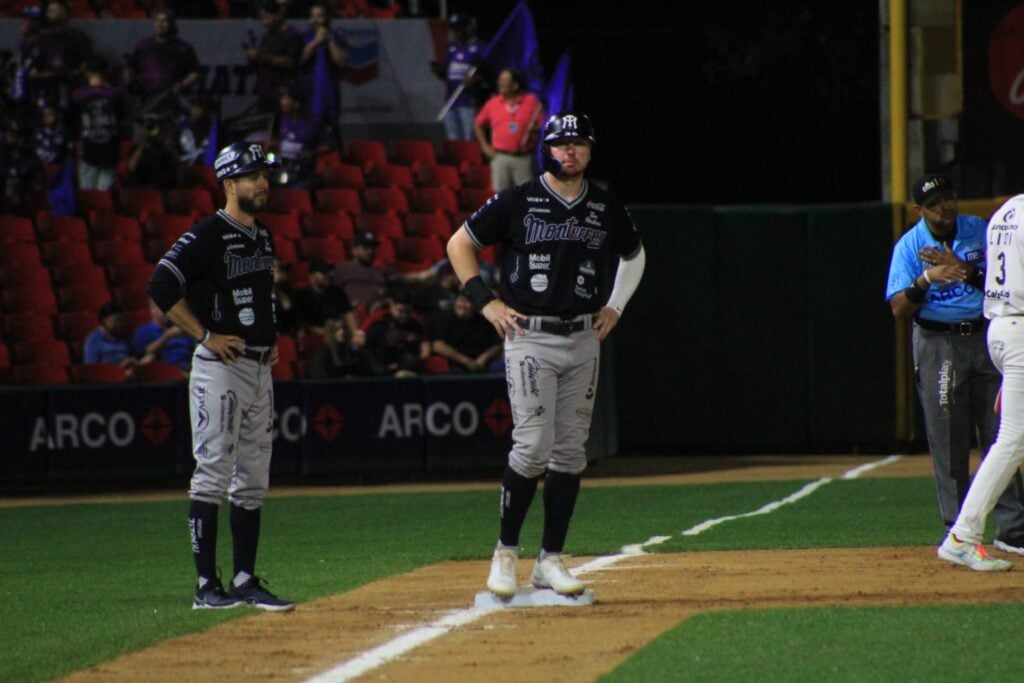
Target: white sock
241,578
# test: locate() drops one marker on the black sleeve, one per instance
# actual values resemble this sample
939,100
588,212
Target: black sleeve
625,237
486,225
164,288
173,273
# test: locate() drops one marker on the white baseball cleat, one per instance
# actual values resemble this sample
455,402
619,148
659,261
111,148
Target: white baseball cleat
550,572
502,580
970,555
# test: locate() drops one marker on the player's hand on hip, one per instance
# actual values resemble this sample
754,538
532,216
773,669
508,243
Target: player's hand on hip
605,321
226,346
504,318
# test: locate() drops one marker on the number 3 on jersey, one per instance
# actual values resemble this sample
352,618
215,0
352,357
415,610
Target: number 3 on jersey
1001,277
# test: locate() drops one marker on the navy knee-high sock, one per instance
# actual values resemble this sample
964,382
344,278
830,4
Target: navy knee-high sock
245,537
517,493
202,527
560,492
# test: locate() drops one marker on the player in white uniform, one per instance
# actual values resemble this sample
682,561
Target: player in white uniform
1004,306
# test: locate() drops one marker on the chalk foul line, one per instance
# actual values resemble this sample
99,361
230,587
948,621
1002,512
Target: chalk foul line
395,648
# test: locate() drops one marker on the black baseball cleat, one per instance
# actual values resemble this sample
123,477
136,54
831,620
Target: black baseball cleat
213,596
254,594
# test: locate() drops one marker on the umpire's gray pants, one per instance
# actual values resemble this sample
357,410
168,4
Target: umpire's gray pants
510,170
957,384
232,409
551,385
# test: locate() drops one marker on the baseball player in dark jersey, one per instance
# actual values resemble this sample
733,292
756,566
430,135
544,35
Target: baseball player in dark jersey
557,235
216,283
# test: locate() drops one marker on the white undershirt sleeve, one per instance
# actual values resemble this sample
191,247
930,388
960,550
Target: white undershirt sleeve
627,279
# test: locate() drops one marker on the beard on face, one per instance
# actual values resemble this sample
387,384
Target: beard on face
251,205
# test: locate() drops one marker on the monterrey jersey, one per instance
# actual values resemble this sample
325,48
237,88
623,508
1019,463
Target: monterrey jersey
226,270
949,302
1004,279
554,252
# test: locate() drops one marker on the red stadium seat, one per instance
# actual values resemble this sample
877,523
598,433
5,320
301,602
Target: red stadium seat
329,249
189,201
80,275
385,254
287,348
366,153
19,253
133,318
140,201
285,250
478,176
95,200
36,374
67,253
132,298
415,153
419,250
110,252
386,200
327,225
300,274
387,175
34,275
78,298
283,224
153,249
167,225
28,325
288,199
438,176
16,229
159,371
76,326
433,199
472,198
5,356
327,160
106,225
436,225
30,299
334,199
380,224
50,351
69,228
130,274
204,176
344,175
97,373
462,153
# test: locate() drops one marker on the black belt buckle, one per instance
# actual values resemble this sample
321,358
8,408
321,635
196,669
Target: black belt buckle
965,328
260,357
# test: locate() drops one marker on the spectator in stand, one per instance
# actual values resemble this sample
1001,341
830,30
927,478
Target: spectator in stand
161,340
108,342
329,47
398,342
299,140
50,139
153,162
163,64
466,338
439,296
195,9
514,117
275,59
22,174
65,52
288,321
100,109
366,285
322,301
339,356
460,70
194,131
24,88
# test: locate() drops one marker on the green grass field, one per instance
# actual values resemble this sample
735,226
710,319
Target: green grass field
83,583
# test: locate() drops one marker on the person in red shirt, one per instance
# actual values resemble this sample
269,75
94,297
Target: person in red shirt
514,117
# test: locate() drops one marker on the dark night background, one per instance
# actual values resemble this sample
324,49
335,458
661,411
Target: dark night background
719,103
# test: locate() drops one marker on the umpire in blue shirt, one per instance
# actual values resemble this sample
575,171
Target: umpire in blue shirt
937,278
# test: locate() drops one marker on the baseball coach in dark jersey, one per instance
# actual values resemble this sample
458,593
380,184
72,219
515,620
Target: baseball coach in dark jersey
557,235
216,283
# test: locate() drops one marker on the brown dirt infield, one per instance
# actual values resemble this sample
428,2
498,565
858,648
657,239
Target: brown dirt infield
638,598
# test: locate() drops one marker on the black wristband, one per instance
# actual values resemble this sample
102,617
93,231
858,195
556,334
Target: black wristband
915,294
978,279
478,291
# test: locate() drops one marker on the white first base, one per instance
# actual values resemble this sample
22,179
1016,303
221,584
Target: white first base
528,596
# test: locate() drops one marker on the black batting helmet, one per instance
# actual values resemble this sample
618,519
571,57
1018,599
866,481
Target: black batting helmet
241,158
565,125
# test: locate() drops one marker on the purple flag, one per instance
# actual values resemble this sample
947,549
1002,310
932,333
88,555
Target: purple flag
558,93
210,155
515,46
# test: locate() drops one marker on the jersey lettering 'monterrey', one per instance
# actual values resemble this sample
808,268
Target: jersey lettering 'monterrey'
226,269
554,252
1004,279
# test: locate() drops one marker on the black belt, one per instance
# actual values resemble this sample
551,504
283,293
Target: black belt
513,154
560,327
261,357
964,328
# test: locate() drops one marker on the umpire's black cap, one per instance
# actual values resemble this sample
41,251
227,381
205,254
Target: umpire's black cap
932,187
241,158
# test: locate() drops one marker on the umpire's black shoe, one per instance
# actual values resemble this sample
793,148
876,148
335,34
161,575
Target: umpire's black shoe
254,594
213,596
1010,544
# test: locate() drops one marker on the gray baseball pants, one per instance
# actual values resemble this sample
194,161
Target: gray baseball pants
957,384
552,380
232,409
